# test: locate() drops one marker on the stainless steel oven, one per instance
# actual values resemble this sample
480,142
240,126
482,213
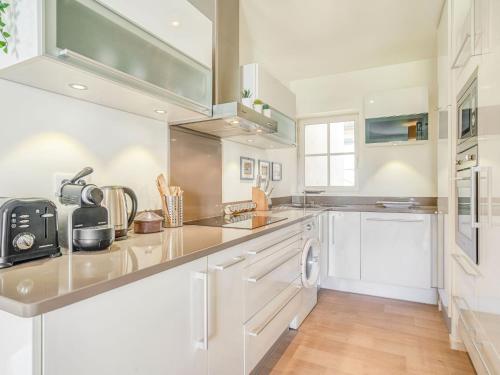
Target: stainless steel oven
467,179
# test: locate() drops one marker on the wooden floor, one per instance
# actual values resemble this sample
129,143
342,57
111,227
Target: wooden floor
355,334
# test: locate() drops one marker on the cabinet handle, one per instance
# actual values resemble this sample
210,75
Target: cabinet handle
460,50
229,264
468,269
257,331
474,198
203,276
257,278
396,220
255,252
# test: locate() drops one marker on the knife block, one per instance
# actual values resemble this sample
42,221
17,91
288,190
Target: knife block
260,199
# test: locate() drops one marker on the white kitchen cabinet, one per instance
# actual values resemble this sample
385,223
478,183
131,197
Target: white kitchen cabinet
226,301
443,60
177,22
345,245
396,249
20,346
125,54
153,326
267,88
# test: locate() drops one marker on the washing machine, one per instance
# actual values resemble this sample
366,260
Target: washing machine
310,270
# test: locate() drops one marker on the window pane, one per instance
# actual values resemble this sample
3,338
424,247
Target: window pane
342,137
316,170
342,171
315,139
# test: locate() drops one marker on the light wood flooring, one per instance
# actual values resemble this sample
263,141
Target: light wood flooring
356,334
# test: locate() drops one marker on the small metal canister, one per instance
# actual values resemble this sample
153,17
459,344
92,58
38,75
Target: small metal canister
174,216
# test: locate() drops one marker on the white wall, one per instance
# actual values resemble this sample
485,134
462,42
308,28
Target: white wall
44,133
383,171
233,189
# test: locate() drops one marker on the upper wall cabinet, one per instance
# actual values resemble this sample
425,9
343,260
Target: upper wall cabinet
267,88
470,30
397,115
150,58
443,60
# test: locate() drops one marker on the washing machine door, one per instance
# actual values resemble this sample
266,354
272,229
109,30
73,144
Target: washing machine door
310,263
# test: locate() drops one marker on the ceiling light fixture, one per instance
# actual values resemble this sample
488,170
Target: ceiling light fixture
250,140
78,86
176,23
372,101
160,111
259,130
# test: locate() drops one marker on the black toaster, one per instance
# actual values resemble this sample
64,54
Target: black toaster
28,230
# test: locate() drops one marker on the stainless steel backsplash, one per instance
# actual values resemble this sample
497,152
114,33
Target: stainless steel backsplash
196,166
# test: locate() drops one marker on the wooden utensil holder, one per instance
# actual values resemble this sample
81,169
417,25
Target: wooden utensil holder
260,199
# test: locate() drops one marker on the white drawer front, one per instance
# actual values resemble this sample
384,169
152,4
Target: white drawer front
257,252
266,327
266,279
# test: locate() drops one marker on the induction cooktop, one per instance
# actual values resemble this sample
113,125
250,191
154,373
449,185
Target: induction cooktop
249,220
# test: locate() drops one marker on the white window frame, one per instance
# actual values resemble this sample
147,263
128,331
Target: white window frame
322,119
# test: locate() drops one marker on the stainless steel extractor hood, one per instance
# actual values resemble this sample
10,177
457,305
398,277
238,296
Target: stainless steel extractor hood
229,118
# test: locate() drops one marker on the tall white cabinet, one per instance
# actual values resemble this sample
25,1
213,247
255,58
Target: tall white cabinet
145,327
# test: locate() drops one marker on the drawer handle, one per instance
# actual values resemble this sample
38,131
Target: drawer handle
257,331
257,278
229,264
396,220
255,252
468,269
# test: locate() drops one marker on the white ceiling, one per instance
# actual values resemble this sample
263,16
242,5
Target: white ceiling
297,39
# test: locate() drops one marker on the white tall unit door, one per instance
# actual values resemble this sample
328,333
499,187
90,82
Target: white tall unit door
226,311
154,326
345,245
396,249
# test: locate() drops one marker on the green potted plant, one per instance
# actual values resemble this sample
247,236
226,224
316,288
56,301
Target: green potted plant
4,35
257,105
266,110
246,98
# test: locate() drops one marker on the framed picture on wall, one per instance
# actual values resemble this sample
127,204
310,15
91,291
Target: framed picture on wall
265,170
247,168
277,172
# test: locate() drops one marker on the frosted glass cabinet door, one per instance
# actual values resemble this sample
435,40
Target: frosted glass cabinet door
154,326
92,37
286,127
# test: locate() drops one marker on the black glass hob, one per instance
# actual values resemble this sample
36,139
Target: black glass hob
250,220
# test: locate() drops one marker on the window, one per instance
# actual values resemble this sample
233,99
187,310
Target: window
330,152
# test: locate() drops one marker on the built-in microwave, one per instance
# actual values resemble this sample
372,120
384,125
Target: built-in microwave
467,111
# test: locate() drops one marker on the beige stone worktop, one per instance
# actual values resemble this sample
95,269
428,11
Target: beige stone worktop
40,286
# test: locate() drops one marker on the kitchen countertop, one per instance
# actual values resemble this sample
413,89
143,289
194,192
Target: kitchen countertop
377,208
369,208
40,286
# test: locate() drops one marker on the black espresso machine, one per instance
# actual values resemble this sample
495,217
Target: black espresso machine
28,230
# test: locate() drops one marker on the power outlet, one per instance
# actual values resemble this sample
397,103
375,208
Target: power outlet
59,177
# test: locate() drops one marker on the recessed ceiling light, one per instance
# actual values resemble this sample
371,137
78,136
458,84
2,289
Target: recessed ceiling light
250,140
160,111
176,23
78,86
259,130
372,101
